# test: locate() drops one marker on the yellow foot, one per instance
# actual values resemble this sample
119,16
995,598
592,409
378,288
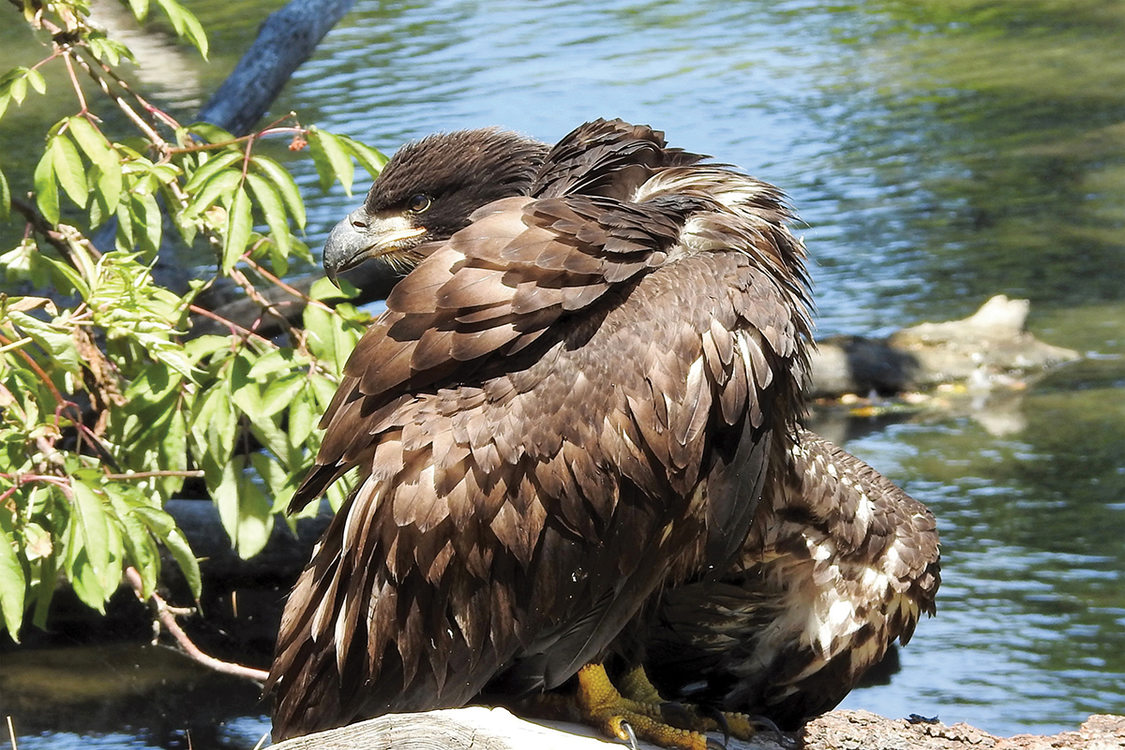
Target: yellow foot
643,714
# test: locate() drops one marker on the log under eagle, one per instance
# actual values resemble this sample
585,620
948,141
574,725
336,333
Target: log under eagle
575,401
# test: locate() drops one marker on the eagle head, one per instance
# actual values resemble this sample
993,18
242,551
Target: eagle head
427,191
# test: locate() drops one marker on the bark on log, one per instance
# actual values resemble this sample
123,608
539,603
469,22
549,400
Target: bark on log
497,729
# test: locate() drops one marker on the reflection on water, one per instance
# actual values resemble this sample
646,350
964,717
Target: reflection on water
941,151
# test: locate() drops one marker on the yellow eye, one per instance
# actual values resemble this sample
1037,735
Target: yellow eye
419,203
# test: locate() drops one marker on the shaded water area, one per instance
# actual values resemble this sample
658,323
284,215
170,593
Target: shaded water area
939,152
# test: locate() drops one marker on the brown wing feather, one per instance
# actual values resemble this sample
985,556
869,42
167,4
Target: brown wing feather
838,564
483,290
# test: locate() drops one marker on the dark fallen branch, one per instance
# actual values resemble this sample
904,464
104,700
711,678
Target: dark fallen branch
286,39
497,729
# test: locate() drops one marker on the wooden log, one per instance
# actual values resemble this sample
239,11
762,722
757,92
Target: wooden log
989,349
497,729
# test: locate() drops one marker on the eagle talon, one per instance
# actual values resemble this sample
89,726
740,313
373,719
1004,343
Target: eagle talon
714,744
627,728
677,714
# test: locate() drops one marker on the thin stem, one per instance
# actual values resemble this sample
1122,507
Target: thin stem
276,281
188,473
167,617
74,82
5,341
234,327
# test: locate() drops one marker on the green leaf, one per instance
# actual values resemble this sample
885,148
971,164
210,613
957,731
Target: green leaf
55,340
46,190
19,86
124,238
281,392
139,8
331,159
178,545
92,523
86,582
35,78
371,159
210,133
271,205
277,480
69,170
278,360
210,168
13,585
220,187
146,217
243,509
142,551
303,416
107,175
163,526
5,197
108,50
44,589
185,24
286,187
239,225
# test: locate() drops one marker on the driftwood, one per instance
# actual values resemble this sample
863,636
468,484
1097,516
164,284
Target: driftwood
496,729
990,348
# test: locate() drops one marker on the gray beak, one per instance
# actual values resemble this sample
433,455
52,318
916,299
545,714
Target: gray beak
345,244
361,236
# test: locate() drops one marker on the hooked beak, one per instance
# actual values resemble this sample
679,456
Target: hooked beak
361,236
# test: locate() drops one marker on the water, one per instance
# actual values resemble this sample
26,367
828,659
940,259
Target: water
939,152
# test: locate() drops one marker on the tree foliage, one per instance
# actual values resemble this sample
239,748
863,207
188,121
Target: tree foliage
107,404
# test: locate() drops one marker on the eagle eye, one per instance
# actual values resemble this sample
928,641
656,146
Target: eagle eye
418,203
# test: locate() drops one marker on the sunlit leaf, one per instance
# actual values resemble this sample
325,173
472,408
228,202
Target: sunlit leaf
286,187
68,169
210,168
331,159
107,176
139,8
5,197
46,190
35,78
221,186
239,225
90,515
13,585
271,205
371,159
55,340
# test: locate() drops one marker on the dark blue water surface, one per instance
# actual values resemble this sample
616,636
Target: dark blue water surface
939,152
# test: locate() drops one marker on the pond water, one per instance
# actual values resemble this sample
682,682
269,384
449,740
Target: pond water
940,152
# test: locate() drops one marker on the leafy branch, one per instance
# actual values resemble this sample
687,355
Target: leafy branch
107,405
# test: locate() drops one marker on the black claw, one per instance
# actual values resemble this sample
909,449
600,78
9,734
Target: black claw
632,735
714,744
676,714
719,718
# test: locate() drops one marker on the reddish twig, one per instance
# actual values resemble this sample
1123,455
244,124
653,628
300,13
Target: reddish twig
150,474
166,615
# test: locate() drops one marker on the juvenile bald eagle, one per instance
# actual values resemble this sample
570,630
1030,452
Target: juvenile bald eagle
546,461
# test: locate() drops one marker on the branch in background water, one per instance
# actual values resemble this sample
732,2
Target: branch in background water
166,616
